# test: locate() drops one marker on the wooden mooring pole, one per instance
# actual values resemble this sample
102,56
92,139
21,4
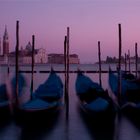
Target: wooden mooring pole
99,56
129,61
67,56
119,65
125,62
17,51
32,75
65,66
136,59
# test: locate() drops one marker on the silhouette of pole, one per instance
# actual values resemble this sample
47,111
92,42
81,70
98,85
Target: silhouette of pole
65,65
68,32
119,65
66,84
67,62
125,62
8,70
129,61
136,59
17,51
99,56
32,75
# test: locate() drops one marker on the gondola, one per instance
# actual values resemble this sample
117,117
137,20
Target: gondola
22,83
8,96
94,100
45,101
4,101
130,91
51,89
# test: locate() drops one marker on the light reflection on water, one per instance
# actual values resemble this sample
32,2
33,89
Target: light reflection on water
77,126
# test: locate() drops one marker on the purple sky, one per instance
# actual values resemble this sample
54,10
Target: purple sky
90,21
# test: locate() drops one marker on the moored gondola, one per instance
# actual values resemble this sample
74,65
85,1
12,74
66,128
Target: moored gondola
4,102
94,100
130,92
8,96
45,101
51,89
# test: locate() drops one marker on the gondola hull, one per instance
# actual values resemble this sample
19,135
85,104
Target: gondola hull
45,102
5,102
130,93
93,99
5,112
106,114
37,113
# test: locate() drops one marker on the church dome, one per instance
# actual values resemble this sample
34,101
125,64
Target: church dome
29,46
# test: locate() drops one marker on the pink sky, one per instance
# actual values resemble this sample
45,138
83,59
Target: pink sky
90,21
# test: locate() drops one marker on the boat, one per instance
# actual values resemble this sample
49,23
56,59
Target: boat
94,100
45,101
22,83
4,101
130,91
8,96
51,89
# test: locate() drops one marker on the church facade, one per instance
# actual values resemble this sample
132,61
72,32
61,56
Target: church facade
25,54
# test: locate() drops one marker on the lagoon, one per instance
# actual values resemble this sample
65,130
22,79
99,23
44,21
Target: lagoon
77,126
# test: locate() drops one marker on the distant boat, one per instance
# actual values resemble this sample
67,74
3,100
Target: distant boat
46,100
130,91
94,99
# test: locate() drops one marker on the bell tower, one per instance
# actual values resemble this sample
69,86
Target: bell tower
5,42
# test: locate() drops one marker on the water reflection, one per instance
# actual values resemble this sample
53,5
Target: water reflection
125,129
134,118
78,126
37,129
98,129
4,123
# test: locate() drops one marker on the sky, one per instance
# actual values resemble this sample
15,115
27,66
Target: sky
90,21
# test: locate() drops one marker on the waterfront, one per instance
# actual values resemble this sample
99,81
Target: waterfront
77,127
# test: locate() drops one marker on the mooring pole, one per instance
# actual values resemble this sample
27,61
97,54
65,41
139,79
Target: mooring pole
119,65
67,56
125,62
32,75
66,86
65,67
99,56
136,60
129,61
17,51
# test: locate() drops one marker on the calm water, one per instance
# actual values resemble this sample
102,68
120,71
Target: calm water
77,127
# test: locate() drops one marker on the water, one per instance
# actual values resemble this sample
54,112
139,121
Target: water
77,126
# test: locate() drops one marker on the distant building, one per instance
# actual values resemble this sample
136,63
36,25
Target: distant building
3,59
5,42
56,58
4,48
41,56
28,47
25,55
73,59
133,60
59,58
110,60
